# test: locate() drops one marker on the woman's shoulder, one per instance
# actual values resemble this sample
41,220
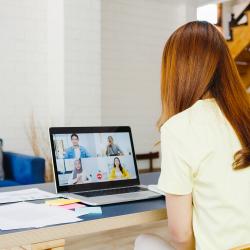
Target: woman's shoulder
189,131
191,119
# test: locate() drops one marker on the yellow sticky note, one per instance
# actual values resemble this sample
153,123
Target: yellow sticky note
60,202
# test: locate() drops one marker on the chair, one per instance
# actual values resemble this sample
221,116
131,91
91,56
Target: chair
148,156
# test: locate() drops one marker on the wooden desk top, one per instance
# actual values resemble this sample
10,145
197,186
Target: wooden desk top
114,216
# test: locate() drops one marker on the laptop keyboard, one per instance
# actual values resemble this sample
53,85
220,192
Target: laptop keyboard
112,191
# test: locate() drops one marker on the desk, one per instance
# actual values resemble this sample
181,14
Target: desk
114,216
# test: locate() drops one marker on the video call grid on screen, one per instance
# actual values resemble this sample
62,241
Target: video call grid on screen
85,158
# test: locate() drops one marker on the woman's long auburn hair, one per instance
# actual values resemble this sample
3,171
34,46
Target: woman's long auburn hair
195,62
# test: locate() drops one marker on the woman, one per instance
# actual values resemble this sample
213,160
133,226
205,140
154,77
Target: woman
79,176
205,144
118,172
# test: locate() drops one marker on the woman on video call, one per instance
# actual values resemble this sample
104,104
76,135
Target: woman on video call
118,171
205,144
79,175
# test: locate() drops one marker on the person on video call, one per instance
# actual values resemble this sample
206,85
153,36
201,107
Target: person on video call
113,149
76,151
79,175
118,171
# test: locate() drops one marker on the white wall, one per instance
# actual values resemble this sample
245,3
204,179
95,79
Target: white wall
133,36
49,66
23,69
55,26
82,62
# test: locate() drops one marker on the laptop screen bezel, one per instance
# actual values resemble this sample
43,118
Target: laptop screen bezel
96,185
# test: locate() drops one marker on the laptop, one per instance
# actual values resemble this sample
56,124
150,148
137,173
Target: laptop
96,165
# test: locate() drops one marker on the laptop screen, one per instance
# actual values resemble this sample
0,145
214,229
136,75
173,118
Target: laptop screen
92,158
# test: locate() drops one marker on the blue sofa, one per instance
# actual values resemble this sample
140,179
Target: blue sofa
22,169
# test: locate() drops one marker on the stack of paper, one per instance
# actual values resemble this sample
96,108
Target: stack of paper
25,195
27,215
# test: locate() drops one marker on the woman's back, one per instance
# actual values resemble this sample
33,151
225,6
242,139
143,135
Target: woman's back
198,147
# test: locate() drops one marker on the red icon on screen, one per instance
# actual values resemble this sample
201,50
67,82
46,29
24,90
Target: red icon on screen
99,176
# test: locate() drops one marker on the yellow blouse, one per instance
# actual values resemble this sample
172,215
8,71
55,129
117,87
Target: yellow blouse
125,174
198,146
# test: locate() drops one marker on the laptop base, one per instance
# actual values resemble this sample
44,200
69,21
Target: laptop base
117,198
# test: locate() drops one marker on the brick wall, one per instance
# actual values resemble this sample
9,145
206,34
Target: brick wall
23,69
133,37
84,62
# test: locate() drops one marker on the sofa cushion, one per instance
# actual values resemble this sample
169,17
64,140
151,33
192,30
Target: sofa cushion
1,160
23,169
6,183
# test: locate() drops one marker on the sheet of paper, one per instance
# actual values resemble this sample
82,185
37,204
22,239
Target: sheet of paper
72,206
88,210
25,195
60,202
30,215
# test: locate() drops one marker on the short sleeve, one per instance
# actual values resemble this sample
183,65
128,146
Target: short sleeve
176,172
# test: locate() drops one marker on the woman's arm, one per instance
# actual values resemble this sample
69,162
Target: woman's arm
179,211
119,150
125,173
